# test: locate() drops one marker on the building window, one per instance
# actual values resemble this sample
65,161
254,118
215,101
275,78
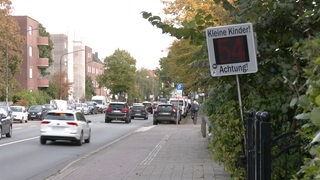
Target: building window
30,51
30,73
30,30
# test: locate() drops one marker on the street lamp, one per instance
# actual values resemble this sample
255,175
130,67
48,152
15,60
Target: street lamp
60,93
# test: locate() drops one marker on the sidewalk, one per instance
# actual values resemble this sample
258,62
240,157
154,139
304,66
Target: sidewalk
165,151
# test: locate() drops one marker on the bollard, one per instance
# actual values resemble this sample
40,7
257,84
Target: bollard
203,127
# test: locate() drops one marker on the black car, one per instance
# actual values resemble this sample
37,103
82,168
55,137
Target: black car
6,121
36,112
138,111
148,106
165,113
117,111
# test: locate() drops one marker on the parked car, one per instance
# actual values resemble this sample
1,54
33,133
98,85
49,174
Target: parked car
36,112
165,113
82,107
138,111
148,106
19,114
65,125
6,121
117,111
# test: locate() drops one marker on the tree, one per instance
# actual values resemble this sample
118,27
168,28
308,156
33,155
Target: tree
90,91
119,73
278,87
11,44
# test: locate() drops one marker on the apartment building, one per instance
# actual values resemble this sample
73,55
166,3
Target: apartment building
30,76
94,68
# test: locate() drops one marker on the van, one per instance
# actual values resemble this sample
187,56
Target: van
101,103
181,103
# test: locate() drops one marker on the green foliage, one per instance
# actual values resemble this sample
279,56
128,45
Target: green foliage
286,85
90,91
119,74
31,98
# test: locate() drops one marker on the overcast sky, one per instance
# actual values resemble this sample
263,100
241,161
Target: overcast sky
103,25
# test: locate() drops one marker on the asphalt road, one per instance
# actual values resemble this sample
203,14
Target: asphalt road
22,156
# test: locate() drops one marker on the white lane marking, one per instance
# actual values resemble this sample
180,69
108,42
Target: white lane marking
155,151
143,129
22,140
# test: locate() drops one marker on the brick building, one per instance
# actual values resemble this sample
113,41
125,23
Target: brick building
30,76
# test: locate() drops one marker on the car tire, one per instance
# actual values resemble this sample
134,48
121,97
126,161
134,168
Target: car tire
107,120
145,118
9,134
0,132
127,121
88,139
43,140
155,123
80,141
132,117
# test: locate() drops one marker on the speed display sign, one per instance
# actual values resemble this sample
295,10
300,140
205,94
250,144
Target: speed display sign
231,50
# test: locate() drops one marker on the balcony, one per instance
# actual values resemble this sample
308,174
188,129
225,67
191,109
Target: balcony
42,83
44,41
43,62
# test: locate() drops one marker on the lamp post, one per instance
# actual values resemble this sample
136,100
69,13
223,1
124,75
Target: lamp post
60,92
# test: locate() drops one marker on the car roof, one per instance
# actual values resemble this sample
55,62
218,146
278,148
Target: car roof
63,111
117,103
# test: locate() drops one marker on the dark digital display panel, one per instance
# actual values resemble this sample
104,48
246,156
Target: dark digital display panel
231,50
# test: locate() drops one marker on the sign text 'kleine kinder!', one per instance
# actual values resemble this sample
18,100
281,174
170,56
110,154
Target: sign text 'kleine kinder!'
231,50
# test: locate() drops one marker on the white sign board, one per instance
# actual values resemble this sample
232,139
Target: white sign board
231,49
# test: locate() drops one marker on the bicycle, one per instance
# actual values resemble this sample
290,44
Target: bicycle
194,116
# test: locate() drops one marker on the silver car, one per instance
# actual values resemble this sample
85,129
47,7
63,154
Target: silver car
65,125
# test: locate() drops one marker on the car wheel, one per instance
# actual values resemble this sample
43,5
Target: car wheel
80,141
9,134
145,118
43,140
132,117
0,132
107,120
88,139
155,123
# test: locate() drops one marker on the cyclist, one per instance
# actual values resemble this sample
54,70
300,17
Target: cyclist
194,111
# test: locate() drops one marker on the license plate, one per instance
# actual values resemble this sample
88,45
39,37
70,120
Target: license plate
116,111
165,113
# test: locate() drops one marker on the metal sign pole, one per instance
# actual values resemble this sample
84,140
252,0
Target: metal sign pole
240,105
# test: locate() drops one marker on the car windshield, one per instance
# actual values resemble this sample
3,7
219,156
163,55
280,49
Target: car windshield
98,101
116,106
165,108
16,108
175,103
138,107
59,116
35,108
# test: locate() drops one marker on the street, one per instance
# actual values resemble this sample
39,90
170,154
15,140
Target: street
23,157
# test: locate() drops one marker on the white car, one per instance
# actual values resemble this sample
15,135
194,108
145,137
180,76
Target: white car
66,125
19,113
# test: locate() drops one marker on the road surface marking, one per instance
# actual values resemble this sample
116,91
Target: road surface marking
22,140
155,151
143,129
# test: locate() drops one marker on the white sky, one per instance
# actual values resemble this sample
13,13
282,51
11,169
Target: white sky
103,25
